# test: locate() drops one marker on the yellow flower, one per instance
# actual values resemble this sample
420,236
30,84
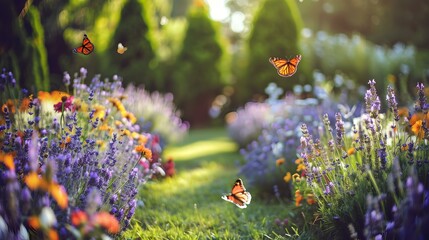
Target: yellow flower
287,177
280,161
296,177
300,167
100,112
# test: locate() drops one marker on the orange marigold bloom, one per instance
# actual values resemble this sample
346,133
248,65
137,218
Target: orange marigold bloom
280,161
145,152
107,221
287,177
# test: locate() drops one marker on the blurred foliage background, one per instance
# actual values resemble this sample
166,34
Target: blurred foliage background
201,50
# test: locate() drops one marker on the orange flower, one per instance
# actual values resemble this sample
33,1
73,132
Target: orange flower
107,221
79,218
34,181
287,177
403,112
10,106
300,167
417,129
351,151
298,198
280,161
33,222
54,96
310,199
7,159
299,160
53,234
145,152
25,104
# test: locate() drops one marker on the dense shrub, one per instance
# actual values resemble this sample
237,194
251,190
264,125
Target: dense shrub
71,165
346,166
275,33
199,69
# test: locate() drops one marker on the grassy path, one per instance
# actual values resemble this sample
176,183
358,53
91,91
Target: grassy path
188,206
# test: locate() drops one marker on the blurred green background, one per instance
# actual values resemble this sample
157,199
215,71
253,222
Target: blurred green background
215,53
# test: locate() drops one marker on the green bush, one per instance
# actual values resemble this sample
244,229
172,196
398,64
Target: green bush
275,33
199,72
137,64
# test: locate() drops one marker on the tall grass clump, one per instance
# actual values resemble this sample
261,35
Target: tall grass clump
71,163
358,174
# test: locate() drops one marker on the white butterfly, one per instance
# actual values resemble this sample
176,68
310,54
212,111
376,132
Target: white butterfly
121,48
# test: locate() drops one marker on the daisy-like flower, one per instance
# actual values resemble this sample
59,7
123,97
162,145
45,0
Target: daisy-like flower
145,152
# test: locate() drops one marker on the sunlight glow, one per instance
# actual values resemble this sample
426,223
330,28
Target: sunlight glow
218,9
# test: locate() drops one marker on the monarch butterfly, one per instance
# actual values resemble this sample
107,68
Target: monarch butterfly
285,67
238,195
86,48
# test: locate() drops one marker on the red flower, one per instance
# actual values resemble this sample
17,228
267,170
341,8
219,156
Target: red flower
67,102
169,168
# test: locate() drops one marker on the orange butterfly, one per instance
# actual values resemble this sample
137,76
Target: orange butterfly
86,48
238,195
285,67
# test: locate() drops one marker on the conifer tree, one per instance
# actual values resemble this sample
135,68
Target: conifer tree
275,33
134,30
198,73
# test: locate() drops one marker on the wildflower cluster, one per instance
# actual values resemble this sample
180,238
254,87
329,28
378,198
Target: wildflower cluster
279,139
362,165
71,164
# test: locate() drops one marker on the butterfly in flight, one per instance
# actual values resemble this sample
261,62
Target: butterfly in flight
121,48
86,48
286,67
239,196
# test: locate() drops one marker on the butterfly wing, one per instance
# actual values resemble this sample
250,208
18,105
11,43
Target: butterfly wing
239,196
285,67
121,48
86,48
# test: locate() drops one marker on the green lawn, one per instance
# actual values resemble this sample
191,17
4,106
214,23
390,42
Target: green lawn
189,205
